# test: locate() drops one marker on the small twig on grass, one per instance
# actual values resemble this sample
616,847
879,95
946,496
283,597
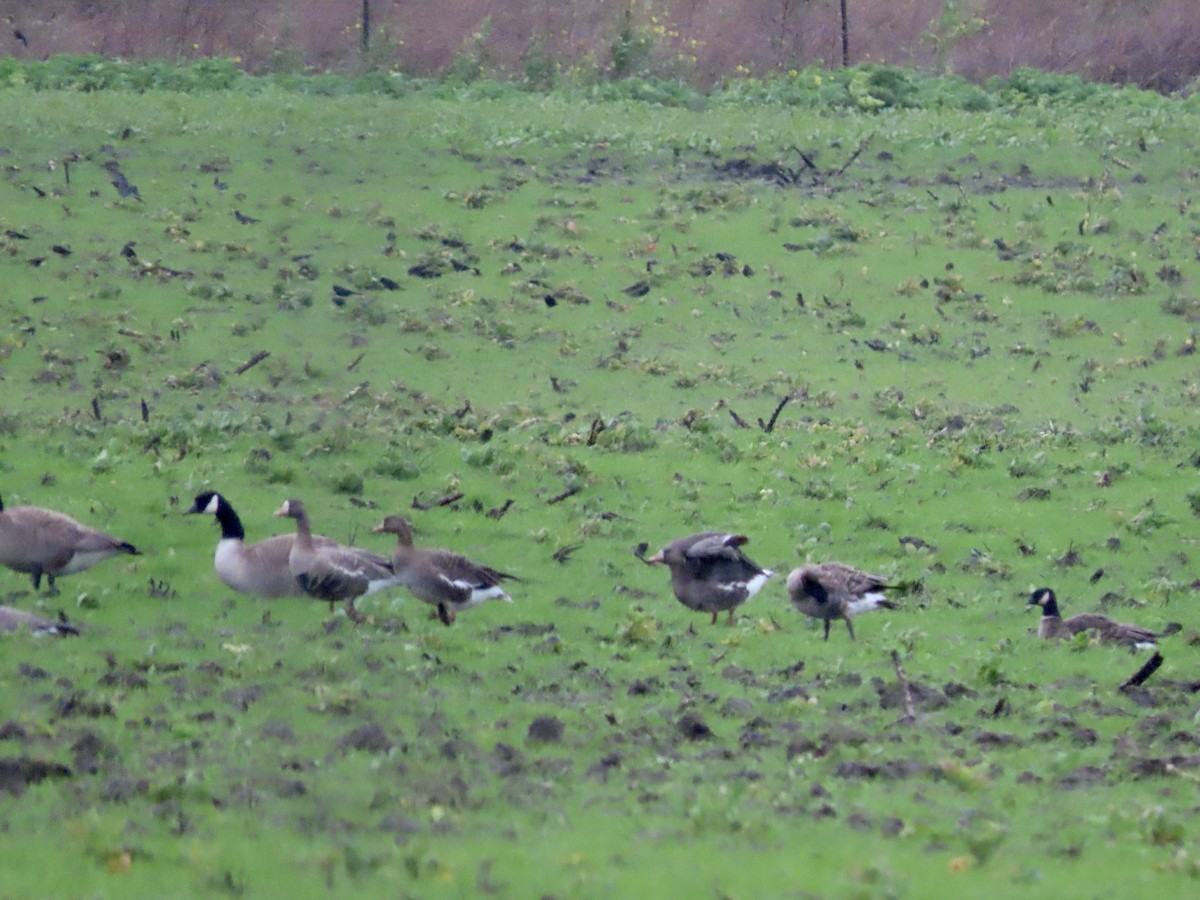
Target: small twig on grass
497,512
357,360
769,425
1141,675
738,420
597,427
252,362
559,498
910,713
444,501
853,156
562,554
808,160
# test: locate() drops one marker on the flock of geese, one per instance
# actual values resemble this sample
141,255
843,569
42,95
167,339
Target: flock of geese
709,572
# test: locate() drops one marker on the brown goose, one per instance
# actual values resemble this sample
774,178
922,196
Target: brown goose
1053,627
260,569
709,572
333,572
43,542
17,619
833,590
448,581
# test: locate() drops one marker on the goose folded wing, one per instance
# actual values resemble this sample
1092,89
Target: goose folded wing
856,581
459,570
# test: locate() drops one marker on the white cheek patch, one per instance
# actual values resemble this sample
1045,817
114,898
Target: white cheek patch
211,509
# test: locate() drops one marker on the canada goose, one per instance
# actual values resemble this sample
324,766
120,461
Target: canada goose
12,619
448,581
1054,627
333,572
709,573
43,542
260,569
833,590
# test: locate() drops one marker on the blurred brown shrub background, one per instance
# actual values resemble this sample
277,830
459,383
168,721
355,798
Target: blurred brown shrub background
1150,43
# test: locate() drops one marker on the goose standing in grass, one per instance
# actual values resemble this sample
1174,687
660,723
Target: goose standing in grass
17,619
1053,627
446,580
44,542
259,569
333,572
833,590
709,572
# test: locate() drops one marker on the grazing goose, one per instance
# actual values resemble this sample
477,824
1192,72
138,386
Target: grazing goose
709,573
43,542
260,569
333,572
446,580
1054,627
15,619
832,590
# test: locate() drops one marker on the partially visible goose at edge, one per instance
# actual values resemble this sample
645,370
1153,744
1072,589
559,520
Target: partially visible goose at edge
446,580
259,569
833,590
12,619
44,542
1053,627
709,572
333,572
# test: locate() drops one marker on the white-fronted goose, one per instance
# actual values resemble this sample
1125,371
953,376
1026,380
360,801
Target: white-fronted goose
446,580
43,542
709,572
833,590
12,619
1053,627
260,569
333,572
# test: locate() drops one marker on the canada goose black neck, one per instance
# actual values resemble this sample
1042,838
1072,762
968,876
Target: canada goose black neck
1045,598
231,525
213,503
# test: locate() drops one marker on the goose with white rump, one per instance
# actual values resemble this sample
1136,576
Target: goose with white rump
12,619
834,590
333,572
259,569
44,542
1053,627
446,580
709,571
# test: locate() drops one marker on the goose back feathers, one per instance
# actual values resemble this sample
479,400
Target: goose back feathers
1053,627
333,572
259,569
446,580
44,542
710,573
834,590
12,619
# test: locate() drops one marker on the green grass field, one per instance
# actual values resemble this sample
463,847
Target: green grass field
982,324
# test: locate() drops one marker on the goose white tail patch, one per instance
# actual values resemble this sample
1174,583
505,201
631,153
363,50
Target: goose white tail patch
85,559
754,585
866,604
